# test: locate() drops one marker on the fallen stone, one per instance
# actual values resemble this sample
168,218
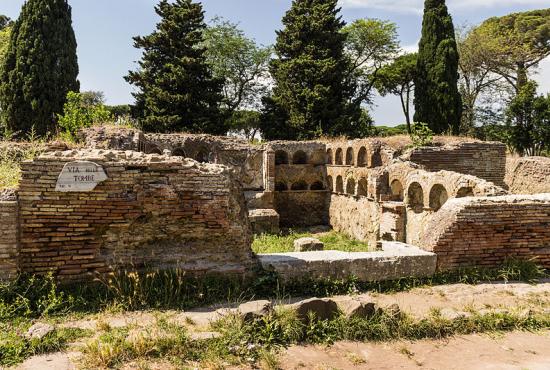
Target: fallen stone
393,311
323,309
39,331
308,245
357,309
251,311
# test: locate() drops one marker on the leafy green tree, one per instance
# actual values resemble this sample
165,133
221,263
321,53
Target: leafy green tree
398,79
176,90
245,122
529,121
239,62
437,99
476,78
370,44
514,44
310,75
40,67
5,21
79,112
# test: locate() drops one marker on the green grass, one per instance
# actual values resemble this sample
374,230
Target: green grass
15,347
284,242
256,343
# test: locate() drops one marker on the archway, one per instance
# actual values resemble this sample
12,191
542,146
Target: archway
317,185
300,157
339,184
362,187
329,156
281,157
397,191
339,160
299,186
465,192
281,186
362,160
350,186
349,157
438,197
415,197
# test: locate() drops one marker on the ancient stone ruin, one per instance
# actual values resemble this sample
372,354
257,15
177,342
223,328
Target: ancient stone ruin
193,202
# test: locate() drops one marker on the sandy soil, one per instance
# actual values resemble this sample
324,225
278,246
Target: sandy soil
517,350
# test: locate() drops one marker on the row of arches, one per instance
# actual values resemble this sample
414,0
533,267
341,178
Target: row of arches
438,195
299,186
203,155
351,186
361,159
282,157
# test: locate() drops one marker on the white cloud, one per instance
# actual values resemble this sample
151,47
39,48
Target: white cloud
416,6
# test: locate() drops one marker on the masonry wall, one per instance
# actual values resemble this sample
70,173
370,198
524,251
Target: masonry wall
528,175
302,208
152,211
481,159
8,239
487,231
355,216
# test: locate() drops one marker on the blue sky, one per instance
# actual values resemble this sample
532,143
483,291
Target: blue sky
104,31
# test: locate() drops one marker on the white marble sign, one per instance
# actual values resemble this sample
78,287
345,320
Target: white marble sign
80,176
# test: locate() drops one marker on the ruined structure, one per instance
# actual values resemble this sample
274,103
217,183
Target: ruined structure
193,202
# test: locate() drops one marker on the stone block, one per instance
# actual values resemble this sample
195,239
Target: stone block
254,310
323,309
264,221
308,245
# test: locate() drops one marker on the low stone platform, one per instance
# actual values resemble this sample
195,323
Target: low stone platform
396,260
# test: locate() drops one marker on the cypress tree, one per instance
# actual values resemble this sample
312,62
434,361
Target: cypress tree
176,89
310,72
437,99
40,67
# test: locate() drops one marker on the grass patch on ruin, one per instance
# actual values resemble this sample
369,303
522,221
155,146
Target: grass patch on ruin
284,242
15,346
11,157
257,343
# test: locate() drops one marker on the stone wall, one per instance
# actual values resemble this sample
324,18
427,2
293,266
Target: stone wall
486,231
302,208
152,211
486,160
355,216
9,227
528,175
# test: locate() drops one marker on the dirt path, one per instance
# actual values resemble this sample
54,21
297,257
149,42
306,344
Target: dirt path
513,351
516,350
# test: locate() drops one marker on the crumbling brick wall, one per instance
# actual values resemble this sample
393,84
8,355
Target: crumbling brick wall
8,239
487,231
485,160
153,211
528,175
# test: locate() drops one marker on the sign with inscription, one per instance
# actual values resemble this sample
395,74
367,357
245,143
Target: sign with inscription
80,176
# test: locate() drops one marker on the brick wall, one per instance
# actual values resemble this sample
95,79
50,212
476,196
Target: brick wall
8,239
484,160
528,175
486,231
153,211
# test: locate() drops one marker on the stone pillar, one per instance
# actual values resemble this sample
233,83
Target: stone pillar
392,222
269,171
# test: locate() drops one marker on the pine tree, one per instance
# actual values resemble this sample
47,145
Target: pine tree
437,99
40,67
310,72
176,89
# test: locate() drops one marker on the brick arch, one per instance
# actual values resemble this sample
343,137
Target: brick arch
281,186
362,157
330,183
281,157
362,187
179,152
330,156
299,157
438,197
299,186
349,156
415,196
350,186
339,184
397,190
317,185
339,157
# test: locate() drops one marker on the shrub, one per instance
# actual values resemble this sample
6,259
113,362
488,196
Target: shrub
78,114
421,134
